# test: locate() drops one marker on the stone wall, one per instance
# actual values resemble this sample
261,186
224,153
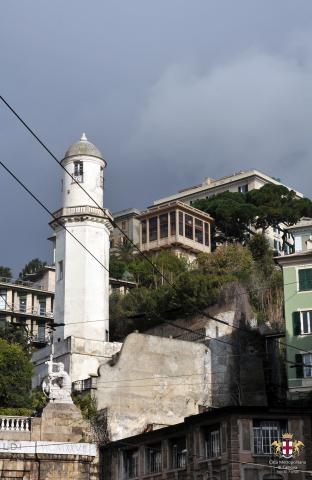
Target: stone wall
153,382
55,446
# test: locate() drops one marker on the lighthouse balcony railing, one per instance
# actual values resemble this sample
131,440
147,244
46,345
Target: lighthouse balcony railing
78,210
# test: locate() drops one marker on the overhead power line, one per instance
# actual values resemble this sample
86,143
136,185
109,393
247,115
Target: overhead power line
114,224
22,184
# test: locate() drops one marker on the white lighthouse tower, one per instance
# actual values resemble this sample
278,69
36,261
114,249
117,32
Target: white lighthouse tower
82,281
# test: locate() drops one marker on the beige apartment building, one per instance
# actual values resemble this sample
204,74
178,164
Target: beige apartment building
127,220
242,181
132,221
175,226
29,304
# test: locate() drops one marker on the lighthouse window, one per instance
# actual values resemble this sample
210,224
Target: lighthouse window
78,171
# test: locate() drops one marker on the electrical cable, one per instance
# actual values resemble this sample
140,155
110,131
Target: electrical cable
114,224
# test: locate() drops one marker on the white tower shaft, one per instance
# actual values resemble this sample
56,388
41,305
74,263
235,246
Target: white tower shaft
82,281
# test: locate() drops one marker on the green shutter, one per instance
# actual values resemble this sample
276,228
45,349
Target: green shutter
296,323
299,365
305,279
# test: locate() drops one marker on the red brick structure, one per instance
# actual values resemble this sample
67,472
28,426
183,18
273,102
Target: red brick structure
229,443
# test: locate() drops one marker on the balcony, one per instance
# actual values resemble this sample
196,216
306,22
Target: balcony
28,312
21,283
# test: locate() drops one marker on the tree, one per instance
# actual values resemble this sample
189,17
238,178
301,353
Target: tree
33,266
15,376
117,267
238,216
232,259
5,272
124,250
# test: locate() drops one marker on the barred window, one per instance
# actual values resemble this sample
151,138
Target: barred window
265,433
178,452
212,443
131,459
154,458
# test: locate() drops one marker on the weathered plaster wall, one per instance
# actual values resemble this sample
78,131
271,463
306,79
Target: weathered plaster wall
81,357
155,381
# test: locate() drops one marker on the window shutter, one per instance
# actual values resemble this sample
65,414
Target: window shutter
296,323
299,365
305,279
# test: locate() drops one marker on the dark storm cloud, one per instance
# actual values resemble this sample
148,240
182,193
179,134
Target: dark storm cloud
169,91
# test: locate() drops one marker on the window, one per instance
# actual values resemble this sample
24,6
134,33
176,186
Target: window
305,279
199,237
307,365
181,229
78,171
2,321
144,231
172,223
112,243
275,245
154,459
131,463
42,306
306,322
243,188
163,225
60,270
3,299
101,178
124,225
178,452
206,233
22,303
212,443
153,229
265,433
189,226
41,331
303,364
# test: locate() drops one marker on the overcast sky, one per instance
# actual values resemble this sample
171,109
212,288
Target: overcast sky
171,91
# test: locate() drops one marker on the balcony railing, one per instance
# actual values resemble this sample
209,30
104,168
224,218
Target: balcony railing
15,424
21,283
38,312
83,210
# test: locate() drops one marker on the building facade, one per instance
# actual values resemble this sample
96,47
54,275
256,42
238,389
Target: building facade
29,305
242,181
297,280
233,443
129,224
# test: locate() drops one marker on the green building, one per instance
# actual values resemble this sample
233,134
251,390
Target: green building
297,278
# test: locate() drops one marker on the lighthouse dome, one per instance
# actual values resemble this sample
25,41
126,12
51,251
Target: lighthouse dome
83,147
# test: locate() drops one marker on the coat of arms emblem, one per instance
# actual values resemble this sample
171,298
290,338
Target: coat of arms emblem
288,447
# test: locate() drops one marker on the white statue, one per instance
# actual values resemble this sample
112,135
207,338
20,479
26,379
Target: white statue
57,385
